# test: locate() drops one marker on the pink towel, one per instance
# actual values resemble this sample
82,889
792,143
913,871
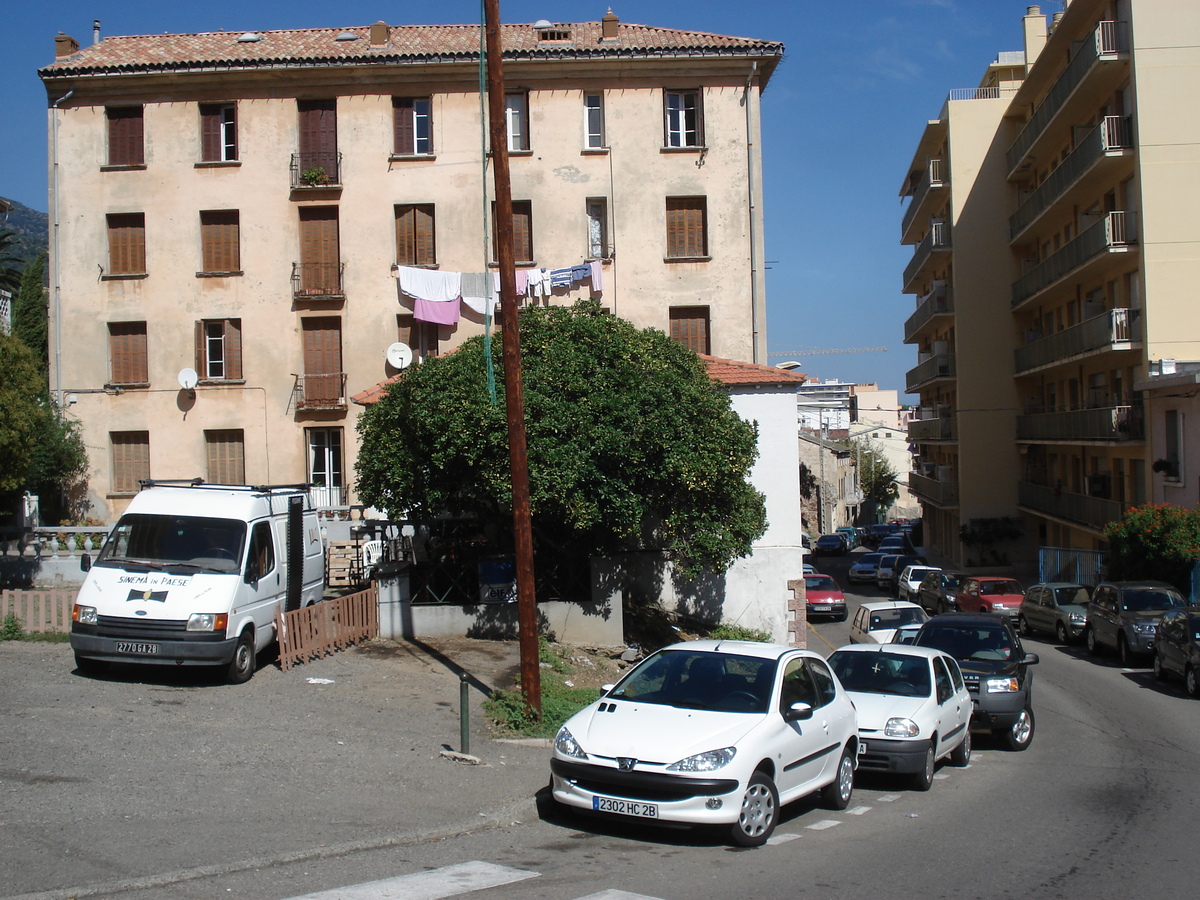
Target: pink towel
442,313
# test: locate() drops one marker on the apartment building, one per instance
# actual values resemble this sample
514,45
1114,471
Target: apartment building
1057,246
243,223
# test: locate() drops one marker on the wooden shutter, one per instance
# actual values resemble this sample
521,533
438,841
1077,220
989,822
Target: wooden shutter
131,459
125,136
126,244
226,452
689,326
403,126
414,235
523,230
318,136
686,227
210,133
233,349
128,358
220,240
320,256
322,360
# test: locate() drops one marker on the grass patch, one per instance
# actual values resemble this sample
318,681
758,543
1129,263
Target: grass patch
508,713
738,633
13,629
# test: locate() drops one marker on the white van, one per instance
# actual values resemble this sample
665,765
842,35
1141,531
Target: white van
193,573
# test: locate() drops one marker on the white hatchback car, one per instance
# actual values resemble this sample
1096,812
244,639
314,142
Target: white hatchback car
712,733
883,621
913,708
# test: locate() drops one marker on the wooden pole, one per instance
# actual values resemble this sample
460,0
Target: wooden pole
514,399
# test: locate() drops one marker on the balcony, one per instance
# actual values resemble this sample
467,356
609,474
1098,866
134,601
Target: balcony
931,490
326,390
1111,139
1112,233
932,369
1104,425
926,431
925,195
935,245
318,281
1116,329
1079,509
317,170
1104,46
934,305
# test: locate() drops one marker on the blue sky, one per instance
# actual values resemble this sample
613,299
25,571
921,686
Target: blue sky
841,118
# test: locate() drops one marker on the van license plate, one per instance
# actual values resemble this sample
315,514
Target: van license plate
145,649
625,807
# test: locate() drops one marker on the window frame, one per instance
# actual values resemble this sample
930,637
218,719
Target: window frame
686,220
229,461
596,215
683,330
420,337
129,466
126,245
230,338
522,214
595,137
125,137
516,111
1173,425
422,247
407,117
218,133
128,354
220,242
675,125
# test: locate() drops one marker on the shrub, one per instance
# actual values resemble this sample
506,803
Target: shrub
1159,542
738,633
11,629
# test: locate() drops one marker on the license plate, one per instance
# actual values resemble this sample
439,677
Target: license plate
126,647
822,607
625,807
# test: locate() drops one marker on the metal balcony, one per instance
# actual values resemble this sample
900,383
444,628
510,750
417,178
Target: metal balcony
1106,424
930,490
1091,512
938,302
944,428
1113,233
936,241
318,281
325,390
932,180
1106,43
934,368
317,169
1116,329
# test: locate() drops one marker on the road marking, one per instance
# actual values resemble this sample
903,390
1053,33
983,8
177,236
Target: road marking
888,798
858,810
619,895
432,885
940,775
823,824
821,637
782,838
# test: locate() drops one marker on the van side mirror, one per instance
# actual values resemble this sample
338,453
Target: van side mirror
85,562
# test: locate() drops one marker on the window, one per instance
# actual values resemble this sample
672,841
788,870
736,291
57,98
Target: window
125,138
261,559
421,337
127,356
130,460
516,117
219,349
325,466
318,158
593,121
126,244
323,381
597,226
218,132
412,122
687,227
689,326
1173,446
320,268
522,213
683,119
220,241
225,452
414,235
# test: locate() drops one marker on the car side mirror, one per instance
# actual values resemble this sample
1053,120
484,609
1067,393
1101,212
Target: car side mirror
605,688
797,712
1031,659
85,562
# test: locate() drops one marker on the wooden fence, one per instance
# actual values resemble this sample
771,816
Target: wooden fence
39,611
324,627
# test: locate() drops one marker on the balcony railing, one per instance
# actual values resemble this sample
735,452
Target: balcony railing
937,239
317,169
939,493
1116,329
937,302
1113,135
325,390
318,280
941,366
1112,233
1092,512
1113,423
1106,42
941,429
932,179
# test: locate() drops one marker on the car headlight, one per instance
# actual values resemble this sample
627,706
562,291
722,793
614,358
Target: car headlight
709,761
565,743
84,615
898,727
1144,627
1078,618
1002,685
207,621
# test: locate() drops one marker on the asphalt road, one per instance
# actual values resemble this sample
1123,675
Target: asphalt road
1103,804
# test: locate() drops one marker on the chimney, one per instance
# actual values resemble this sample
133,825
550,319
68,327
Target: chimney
609,26
379,33
64,45
95,31
1035,35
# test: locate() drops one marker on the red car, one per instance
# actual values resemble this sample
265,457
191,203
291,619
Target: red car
990,594
823,597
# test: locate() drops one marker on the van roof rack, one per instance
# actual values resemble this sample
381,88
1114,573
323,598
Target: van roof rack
201,483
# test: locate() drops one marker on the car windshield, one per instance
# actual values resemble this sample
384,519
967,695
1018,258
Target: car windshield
1071,595
697,679
887,562
868,560
882,673
999,587
965,642
1145,599
882,619
819,583
174,543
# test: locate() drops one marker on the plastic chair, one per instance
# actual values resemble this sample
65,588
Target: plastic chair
372,553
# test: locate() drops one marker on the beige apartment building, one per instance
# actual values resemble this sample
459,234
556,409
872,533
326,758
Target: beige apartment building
244,224
1053,209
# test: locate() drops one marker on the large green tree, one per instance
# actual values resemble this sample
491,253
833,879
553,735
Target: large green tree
630,444
876,475
10,263
29,321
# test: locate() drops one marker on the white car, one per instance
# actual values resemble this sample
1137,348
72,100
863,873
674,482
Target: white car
863,569
712,733
913,708
908,585
881,622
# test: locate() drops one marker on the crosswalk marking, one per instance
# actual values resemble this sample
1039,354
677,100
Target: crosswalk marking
781,838
888,798
617,895
858,810
432,885
823,824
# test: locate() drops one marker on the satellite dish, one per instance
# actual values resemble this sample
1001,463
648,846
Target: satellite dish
399,355
188,379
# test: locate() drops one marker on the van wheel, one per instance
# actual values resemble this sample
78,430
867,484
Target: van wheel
241,667
88,666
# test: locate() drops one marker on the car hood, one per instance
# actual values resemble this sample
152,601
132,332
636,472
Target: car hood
656,733
1144,615
824,595
875,709
989,667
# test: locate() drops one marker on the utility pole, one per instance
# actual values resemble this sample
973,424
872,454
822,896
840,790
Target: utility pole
514,398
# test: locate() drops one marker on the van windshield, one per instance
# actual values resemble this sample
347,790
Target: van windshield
176,543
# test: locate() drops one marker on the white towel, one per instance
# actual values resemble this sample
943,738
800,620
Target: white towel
428,284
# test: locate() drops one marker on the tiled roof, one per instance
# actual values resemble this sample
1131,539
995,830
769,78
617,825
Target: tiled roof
407,43
733,372
375,393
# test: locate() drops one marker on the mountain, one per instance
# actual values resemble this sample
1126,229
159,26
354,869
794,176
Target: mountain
31,228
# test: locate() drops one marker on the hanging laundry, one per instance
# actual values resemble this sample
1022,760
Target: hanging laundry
440,312
597,275
560,278
581,272
428,284
476,293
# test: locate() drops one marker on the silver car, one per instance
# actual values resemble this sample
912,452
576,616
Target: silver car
1058,608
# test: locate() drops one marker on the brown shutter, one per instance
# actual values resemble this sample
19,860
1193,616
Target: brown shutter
125,136
127,353
686,227
210,132
131,459
201,349
523,231
320,257
403,126
689,326
126,244
318,136
406,237
322,359
226,451
233,348
220,240
404,330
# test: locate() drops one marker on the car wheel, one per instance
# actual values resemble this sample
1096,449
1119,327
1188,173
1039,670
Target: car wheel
923,780
88,666
1190,682
843,616
1023,625
961,755
836,794
1123,653
241,667
1159,672
1060,632
760,812
1089,640
1020,735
